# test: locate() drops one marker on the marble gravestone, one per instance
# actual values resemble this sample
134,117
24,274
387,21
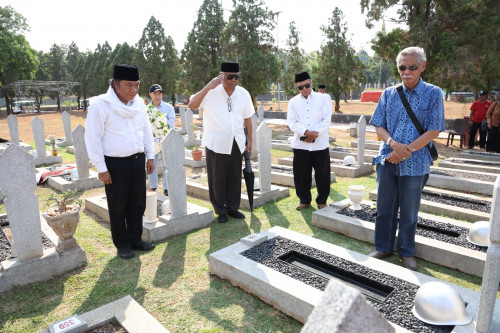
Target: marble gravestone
361,140
81,155
255,144
66,119
260,112
264,139
13,129
182,113
491,276
190,140
18,183
173,157
40,154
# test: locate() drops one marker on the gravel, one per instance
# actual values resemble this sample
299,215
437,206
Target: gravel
451,234
457,201
5,248
483,163
395,308
467,175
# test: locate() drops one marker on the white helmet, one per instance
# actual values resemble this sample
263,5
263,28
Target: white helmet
479,233
437,303
349,160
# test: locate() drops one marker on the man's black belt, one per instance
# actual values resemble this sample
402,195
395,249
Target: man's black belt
131,157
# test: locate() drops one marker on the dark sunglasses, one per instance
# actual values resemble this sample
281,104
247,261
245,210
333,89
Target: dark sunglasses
233,76
412,68
307,85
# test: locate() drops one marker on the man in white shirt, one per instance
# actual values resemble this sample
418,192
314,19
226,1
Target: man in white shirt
309,116
156,94
228,108
118,139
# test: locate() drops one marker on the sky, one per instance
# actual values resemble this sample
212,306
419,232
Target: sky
90,22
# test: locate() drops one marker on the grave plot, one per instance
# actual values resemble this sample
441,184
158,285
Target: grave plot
290,270
283,175
438,240
369,144
480,155
14,135
281,145
461,180
67,140
471,165
29,261
339,153
338,167
129,314
180,216
461,206
80,178
189,139
40,153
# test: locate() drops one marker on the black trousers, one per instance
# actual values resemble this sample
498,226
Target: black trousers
303,163
126,197
224,179
472,135
493,144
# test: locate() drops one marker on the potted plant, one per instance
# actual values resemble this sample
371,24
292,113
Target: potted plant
196,153
53,147
63,217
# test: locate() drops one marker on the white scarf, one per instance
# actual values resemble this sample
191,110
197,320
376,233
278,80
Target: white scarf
123,110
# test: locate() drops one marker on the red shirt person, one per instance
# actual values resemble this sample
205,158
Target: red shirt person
478,114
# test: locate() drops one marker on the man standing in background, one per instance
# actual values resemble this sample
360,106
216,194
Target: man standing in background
477,115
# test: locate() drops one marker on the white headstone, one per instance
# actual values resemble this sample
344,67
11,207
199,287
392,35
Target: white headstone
491,276
38,129
66,119
182,113
255,144
260,112
13,129
189,124
18,183
81,155
264,137
361,139
173,158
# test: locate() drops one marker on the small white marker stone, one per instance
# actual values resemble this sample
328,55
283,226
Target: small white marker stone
253,239
73,324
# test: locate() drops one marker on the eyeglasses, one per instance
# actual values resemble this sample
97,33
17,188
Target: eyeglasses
233,76
412,68
229,102
307,85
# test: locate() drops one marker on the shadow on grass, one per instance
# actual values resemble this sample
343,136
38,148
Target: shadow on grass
34,301
275,216
118,279
172,262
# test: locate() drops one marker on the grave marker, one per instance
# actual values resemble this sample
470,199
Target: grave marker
81,155
264,139
38,129
260,112
182,113
173,159
361,140
13,129
255,144
189,124
66,119
18,183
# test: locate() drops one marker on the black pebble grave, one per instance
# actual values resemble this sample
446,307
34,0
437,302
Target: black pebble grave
396,307
466,175
5,248
450,233
457,201
483,163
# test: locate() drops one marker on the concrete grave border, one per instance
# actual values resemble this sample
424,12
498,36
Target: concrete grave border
283,179
130,314
452,164
460,184
448,210
52,263
355,171
298,299
80,184
438,252
479,155
339,153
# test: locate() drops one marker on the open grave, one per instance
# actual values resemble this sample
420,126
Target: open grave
290,271
456,205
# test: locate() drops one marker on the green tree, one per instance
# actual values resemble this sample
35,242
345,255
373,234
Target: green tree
157,59
96,70
295,60
73,58
18,61
339,67
122,54
248,38
57,68
202,52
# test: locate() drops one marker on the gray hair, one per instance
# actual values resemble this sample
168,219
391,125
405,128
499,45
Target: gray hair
416,51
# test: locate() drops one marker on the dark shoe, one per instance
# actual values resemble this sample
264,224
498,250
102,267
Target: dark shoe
409,262
165,192
379,254
222,218
301,206
125,253
143,246
321,206
236,214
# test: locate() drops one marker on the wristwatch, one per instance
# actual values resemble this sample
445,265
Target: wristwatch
388,142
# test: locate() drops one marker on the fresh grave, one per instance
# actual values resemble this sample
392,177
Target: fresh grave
461,180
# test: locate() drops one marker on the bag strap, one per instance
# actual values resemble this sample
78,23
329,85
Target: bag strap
411,114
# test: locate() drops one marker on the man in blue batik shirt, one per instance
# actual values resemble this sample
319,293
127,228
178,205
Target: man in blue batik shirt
156,94
403,163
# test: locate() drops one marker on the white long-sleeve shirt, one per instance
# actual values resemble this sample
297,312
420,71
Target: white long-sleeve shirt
313,113
115,129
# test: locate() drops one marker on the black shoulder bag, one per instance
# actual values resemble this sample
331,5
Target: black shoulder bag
432,149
